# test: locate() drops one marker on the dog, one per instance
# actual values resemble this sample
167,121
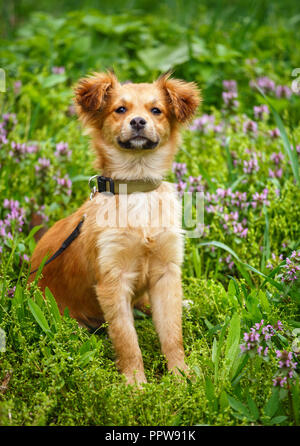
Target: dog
135,131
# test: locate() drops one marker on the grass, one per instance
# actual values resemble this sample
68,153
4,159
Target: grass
243,269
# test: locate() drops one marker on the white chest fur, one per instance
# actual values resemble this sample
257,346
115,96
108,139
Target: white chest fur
139,227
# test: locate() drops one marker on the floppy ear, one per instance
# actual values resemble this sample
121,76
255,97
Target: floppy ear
183,97
91,93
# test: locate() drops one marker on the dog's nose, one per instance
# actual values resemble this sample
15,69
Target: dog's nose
138,123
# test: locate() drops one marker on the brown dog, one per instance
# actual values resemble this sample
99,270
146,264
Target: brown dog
111,267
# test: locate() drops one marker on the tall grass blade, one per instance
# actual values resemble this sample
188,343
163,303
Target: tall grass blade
266,246
221,245
292,154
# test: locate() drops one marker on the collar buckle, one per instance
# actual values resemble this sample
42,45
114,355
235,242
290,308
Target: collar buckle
93,188
102,184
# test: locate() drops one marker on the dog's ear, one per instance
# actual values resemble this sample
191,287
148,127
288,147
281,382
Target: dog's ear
91,93
182,97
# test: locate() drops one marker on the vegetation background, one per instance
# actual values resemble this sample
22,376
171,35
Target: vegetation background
241,278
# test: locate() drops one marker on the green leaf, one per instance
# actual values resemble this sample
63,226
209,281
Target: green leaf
272,404
17,302
39,316
85,347
164,57
237,182
54,311
52,80
210,394
33,231
80,178
252,407
223,401
233,337
232,347
237,294
225,53
86,357
239,407
236,371
277,420
232,288
196,261
222,246
231,174
217,348
295,392
138,314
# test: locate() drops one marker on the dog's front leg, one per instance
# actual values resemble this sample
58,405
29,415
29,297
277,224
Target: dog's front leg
166,301
114,297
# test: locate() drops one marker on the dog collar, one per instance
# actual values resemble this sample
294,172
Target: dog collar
116,187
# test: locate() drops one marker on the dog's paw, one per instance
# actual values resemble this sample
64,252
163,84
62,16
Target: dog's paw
135,379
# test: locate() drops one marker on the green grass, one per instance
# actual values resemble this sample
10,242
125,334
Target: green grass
71,377
53,372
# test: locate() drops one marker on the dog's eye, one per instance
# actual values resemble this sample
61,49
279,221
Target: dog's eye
155,111
121,110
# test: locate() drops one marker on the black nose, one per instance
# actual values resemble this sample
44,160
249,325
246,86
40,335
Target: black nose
138,123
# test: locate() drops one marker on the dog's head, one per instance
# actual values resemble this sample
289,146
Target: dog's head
134,118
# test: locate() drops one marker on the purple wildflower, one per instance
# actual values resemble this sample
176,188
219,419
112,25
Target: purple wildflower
251,166
261,111
179,169
230,85
277,157
64,185
17,87
62,150
264,83
286,367
181,186
229,99
58,70
274,133
278,381
282,91
13,220
195,184
11,292
71,110
9,119
43,165
250,127
260,198
203,124
258,339
290,272
255,339
275,173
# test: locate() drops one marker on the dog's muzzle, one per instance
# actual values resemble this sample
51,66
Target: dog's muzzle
138,142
